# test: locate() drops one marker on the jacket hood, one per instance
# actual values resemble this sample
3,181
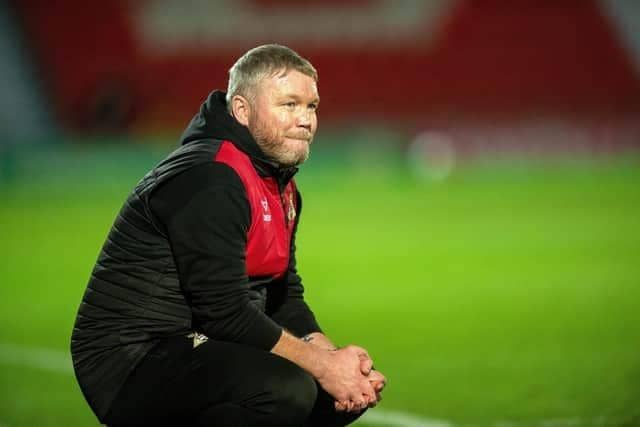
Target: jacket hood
213,121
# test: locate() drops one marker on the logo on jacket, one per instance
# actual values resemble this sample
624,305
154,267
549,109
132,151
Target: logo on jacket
266,215
291,213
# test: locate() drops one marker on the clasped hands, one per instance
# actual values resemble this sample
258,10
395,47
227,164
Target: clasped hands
352,381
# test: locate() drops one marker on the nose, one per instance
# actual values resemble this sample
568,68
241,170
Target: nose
304,120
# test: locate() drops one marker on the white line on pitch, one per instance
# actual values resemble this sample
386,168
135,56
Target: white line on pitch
400,419
35,357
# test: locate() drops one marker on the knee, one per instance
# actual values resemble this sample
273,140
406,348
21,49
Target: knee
294,395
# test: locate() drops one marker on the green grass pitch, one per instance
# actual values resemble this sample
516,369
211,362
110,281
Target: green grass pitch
506,293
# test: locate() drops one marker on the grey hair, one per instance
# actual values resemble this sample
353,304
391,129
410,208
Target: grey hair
261,62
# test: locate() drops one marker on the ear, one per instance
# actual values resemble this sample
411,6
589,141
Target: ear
241,109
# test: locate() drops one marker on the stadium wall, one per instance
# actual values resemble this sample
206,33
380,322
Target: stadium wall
141,67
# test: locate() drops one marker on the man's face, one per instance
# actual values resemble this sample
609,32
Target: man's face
283,116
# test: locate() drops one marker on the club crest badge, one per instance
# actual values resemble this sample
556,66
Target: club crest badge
291,212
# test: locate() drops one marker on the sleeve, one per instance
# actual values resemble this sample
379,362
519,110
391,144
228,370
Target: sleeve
293,313
206,215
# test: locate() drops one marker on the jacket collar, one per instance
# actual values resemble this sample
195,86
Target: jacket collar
213,121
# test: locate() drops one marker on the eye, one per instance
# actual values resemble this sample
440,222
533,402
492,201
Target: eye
290,105
313,106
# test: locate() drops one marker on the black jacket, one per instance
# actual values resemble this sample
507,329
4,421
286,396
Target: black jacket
174,262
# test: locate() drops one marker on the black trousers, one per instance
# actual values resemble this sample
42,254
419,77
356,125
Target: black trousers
220,384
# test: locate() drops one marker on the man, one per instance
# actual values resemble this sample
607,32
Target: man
194,313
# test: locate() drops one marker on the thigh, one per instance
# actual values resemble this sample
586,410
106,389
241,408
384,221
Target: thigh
233,373
176,382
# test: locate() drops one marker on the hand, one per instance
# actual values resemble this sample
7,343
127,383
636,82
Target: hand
343,379
366,365
377,381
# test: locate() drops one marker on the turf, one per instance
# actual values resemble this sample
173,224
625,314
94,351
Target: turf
508,292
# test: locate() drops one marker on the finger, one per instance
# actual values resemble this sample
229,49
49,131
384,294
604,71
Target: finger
366,365
340,406
360,404
362,353
368,402
349,406
377,376
367,389
377,380
370,399
377,385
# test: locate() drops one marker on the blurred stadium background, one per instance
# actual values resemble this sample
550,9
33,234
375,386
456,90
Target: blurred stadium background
472,204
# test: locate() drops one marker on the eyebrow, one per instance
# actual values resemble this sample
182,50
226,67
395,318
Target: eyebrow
315,100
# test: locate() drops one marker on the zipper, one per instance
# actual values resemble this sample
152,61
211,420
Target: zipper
283,203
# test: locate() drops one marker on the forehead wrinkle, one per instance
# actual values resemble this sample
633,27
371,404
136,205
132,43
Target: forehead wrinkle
279,85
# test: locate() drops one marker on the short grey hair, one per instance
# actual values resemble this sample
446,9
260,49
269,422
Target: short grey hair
261,62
